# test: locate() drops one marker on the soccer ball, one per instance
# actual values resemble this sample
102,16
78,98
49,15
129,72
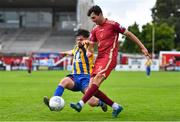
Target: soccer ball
56,103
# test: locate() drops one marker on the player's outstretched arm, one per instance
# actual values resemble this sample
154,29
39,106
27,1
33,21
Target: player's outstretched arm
138,42
69,52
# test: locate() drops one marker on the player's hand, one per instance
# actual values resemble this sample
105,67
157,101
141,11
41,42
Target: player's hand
146,53
80,44
85,42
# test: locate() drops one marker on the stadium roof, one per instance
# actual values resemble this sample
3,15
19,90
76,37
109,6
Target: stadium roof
38,3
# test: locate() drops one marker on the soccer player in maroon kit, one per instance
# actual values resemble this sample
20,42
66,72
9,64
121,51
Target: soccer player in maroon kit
29,63
105,34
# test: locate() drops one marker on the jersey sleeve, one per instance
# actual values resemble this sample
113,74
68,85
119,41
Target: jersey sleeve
73,51
119,28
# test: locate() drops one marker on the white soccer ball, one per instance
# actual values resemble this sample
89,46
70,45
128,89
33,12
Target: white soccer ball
56,103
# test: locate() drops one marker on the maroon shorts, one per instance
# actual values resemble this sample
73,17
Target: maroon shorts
104,66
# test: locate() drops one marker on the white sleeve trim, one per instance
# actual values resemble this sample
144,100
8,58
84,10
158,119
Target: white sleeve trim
125,32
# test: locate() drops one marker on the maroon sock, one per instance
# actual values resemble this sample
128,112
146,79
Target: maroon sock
90,92
99,94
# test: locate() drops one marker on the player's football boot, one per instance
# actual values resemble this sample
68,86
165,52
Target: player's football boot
76,106
46,102
116,112
104,107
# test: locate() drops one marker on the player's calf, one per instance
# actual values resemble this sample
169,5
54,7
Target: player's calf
94,102
29,71
104,107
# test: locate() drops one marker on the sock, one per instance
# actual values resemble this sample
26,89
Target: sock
115,106
59,91
90,92
100,103
81,103
99,94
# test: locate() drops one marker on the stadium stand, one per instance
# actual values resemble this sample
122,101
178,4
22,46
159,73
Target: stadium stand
36,39
43,26
58,43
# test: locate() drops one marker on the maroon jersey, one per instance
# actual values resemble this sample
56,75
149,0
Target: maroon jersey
106,36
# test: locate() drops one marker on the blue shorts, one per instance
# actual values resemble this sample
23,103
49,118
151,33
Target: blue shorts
81,81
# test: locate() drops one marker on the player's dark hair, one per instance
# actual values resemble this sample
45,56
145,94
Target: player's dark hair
82,32
96,9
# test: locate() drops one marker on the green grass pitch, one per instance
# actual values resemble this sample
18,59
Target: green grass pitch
154,99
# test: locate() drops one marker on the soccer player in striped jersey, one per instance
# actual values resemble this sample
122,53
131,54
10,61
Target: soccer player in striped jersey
82,65
148,67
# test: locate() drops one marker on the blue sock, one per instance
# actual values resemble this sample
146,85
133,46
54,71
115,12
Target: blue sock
59,91
100,103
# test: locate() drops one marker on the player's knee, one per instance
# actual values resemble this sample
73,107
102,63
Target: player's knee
67,83
98,79
63,83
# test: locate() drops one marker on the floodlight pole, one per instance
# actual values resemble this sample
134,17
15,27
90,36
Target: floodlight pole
153,39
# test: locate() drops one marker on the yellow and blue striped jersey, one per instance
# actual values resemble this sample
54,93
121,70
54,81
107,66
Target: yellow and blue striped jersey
148,62
81,63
